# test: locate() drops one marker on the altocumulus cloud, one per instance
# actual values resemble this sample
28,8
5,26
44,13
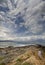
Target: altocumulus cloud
22,20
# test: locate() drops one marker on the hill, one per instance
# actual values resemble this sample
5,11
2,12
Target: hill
27,55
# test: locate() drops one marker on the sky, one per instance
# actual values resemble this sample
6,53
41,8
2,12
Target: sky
22,20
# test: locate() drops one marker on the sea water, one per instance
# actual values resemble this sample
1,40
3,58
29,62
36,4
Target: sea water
18,44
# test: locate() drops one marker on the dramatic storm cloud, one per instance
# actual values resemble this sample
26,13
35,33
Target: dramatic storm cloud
22,20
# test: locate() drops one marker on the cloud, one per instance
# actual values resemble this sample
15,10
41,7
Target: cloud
3,32
24,22
33,15
29,38
9,5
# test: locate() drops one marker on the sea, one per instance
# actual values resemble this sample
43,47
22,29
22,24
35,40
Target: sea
18,44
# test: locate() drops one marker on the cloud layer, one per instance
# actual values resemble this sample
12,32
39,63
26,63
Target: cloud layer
22,19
